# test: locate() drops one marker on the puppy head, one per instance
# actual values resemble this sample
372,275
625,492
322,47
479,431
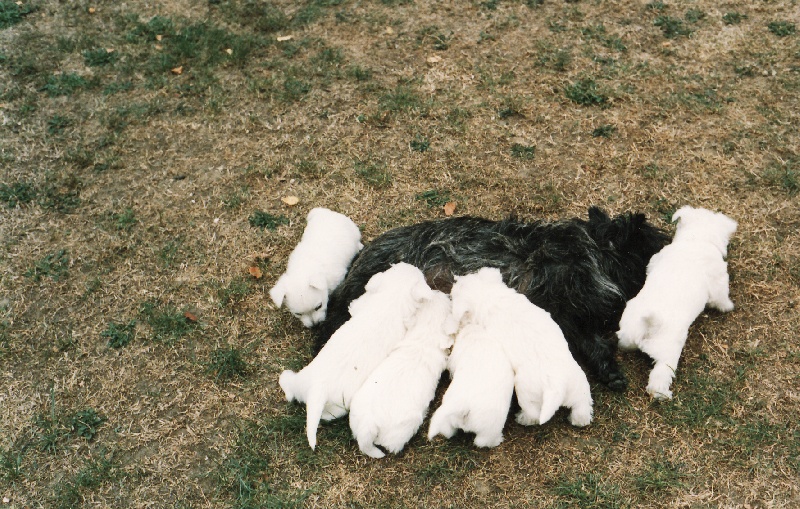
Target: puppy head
306,298
703,224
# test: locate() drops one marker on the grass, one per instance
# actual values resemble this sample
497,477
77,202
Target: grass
128,191
119,335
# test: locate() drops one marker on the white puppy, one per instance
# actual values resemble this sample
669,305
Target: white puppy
317,265
682,279
379,321
391,405
546,376
479,395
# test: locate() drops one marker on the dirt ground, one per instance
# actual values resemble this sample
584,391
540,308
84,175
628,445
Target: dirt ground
149,152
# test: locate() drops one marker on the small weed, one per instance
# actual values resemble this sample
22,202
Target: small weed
309,168
64,84
521,151
18,193
420,144
586,93
694,15
784,175
434,197
402,98
261,219
510,107
226,364
604,131
733,18
124,220
57,124
660,476
656,6
12,12
68,493
557,60
61,198
53,265
588,491
236,290
99,57
235,199
359,73
113,88
119,335
11,464
168,254
293,89
652,171
374,174
671,27
85,423
168,324
665,209
782,28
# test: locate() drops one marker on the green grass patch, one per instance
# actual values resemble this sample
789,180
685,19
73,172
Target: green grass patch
733,18
12,13
99,57
520,151
57,427
235,292
71,492
119,334
11,464
261,219
57,124
402,99
374,174
226,364
784,175
672,28
782,28
65,84
604,131
53,265
125,220
168,324
434,197
660,476
586,92
85,423
589,491
18,193
420,144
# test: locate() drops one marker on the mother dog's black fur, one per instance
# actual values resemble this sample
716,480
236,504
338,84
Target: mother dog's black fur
582,272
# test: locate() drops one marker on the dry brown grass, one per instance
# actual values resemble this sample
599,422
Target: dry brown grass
147,179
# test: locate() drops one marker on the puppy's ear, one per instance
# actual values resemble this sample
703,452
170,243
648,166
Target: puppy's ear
681,213
278,292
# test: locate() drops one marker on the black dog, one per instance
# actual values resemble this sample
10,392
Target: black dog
582,272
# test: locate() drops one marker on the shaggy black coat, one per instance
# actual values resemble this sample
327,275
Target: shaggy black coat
582,272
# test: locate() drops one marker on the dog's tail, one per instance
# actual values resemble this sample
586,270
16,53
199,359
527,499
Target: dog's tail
315,405
551,401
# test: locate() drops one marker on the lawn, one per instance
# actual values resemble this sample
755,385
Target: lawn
157,161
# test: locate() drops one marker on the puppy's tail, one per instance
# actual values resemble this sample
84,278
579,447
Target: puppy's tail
366,441
315,405
551,401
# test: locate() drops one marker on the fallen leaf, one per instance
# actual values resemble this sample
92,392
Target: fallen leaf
449,208
109,50
229,51
255,272
389,30
190,316
435,59
282,38
159,37
92,10
159,47
178,70
290,200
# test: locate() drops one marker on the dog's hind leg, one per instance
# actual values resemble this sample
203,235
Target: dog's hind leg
719,293
665,349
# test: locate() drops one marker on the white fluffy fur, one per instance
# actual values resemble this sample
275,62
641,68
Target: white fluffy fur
682,279
479,395
391,405
546,376
379,321
317,265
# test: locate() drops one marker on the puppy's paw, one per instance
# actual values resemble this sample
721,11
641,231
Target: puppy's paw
580,417
488,440
662,393
527,419
726,306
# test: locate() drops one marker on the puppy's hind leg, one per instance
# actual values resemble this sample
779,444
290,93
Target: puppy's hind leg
665,349
719,294
442,423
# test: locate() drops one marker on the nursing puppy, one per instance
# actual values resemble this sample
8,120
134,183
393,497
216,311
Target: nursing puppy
581,272
546,376
391,405
479,395
682,279
379,321
317,265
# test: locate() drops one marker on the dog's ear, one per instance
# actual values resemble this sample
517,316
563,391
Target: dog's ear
598,215
278,292
681,213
